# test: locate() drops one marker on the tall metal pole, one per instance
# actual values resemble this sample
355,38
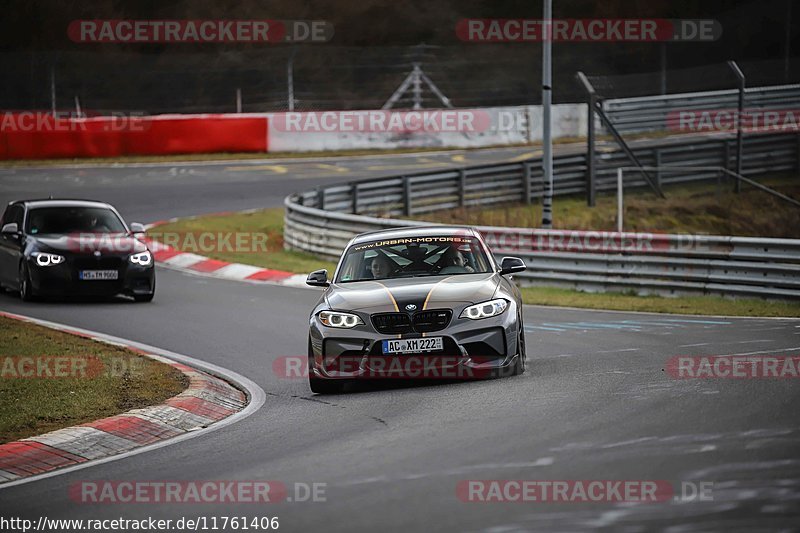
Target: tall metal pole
786,57
664,67
739,132
290,81
238,100
547,98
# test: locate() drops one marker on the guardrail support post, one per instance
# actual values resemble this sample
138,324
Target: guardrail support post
657,158
526,181
321,198
462,187
798,152
406,196
354,192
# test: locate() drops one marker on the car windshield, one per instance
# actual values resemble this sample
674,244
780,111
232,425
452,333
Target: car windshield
55,220
414,257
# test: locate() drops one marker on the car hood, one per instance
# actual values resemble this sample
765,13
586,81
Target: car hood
434,292
107,244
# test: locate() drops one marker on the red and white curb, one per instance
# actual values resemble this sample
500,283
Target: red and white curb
210,402
197,264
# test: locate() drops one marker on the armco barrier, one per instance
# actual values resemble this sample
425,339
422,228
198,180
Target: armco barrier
650,113
322,221
38,136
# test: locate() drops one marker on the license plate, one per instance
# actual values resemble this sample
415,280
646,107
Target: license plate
425,344
89,275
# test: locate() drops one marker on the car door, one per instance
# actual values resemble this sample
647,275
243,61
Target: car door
11,246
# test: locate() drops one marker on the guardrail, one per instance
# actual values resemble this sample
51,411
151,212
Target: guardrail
323,220
650,113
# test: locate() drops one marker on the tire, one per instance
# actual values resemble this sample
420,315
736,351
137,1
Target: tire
317,385
519,366
144,297
25,289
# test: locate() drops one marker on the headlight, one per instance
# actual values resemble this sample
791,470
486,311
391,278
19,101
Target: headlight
143,258
485,309
335,319
46,260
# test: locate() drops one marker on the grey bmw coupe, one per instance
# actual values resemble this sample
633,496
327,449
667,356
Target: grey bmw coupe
416,303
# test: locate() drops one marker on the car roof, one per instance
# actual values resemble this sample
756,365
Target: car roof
60,202
413,231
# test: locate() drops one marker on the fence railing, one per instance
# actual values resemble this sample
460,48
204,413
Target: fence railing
651,113
323,220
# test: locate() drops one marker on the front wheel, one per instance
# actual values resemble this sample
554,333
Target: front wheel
519,366
25,288
317,385
144,297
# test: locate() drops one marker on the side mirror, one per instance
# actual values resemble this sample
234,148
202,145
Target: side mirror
10,229
318,278
137,228
510,265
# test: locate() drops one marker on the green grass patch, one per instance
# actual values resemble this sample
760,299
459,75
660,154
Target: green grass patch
686,305
699,208
83,380
267,222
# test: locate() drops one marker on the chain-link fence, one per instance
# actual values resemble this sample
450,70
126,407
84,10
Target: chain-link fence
311,78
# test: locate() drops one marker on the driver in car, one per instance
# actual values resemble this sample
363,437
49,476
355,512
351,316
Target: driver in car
454,257
380,267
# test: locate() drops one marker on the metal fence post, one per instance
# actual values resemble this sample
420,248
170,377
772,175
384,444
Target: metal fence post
590,135
354,192
462,187
657,159
406,196
740,132
526,181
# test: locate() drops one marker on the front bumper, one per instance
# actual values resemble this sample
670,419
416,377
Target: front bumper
473,349
64,279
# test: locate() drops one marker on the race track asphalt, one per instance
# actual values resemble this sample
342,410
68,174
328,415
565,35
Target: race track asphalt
595,404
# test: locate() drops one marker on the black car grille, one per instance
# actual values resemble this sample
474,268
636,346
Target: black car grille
100,263
392,323
435,320
421,322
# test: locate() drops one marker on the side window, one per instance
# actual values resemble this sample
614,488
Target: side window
13,214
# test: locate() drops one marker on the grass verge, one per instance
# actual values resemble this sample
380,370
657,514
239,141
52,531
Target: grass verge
270,221
698,208
75,380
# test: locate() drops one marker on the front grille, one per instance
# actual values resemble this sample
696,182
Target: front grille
421,322
101,263
434,320
392,323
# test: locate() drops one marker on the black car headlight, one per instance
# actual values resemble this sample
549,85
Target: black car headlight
485,309
46,260
143,258
335,319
